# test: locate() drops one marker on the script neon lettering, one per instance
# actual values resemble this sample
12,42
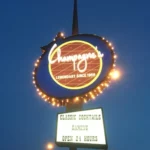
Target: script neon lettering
81,58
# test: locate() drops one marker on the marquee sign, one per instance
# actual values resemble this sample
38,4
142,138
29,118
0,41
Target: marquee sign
81,129
74,68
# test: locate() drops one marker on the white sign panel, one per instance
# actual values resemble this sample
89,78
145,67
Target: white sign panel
82,127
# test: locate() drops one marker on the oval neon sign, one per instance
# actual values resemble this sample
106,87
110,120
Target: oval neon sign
75,64
76,67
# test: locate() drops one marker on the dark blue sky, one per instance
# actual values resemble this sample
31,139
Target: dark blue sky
28,123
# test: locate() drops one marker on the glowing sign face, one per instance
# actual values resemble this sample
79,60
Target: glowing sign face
75,64
74,67
81,128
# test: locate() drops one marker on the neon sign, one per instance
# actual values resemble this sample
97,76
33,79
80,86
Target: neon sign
77,67
75,64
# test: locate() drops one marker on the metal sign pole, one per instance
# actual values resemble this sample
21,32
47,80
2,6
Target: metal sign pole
75,29
71,106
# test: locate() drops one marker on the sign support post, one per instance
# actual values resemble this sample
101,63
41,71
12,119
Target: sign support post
78,105
72,106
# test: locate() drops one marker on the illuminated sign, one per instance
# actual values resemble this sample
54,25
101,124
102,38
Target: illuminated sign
82,128
75,64
74,68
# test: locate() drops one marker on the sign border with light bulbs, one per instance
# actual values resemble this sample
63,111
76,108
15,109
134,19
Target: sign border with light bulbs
85,97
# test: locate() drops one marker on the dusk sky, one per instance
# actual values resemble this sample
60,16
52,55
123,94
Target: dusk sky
29,123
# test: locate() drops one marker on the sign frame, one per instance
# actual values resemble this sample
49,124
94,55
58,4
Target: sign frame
85,96
82,145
